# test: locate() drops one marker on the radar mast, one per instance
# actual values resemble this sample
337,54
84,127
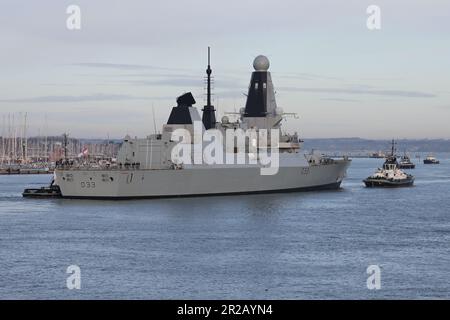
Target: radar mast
209,115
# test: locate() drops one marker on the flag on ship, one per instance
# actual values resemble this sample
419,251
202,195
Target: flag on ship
83,153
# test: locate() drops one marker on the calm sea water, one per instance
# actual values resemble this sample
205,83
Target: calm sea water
314,245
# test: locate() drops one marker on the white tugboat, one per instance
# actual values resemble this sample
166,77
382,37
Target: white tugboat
406,163
146,168
390,175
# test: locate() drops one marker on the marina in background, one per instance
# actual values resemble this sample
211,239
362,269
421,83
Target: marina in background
20,154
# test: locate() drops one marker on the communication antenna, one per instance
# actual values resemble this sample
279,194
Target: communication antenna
209,115
208,72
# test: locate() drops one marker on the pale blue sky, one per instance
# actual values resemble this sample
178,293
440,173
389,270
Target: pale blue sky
341,78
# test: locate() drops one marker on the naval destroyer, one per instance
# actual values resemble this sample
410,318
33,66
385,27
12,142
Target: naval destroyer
145,167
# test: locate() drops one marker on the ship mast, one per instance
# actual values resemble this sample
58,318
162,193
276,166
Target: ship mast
209,115
393,148
208,72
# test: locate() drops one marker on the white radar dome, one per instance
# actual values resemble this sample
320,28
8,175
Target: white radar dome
261,63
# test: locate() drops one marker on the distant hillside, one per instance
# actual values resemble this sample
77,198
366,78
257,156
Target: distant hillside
358,145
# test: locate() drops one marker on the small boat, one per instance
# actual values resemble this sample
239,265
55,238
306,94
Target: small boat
390,175
383,179
430,159
405,163
52,191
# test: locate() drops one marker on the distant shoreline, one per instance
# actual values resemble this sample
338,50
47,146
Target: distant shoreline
361,145
341,145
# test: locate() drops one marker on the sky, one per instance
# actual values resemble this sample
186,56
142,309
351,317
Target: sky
131,59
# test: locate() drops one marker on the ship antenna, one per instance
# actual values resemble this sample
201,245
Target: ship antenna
209,115
208,72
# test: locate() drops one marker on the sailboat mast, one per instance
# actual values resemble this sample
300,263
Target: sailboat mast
3,138
24,139
9,144
65,146
13,138
46,155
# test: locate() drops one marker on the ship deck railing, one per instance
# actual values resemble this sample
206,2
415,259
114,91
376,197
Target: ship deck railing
94,168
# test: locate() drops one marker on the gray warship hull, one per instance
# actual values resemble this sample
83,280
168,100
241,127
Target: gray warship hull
197,181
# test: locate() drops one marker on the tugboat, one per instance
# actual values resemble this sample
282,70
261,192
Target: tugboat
405,162
390,175
430,159
52,191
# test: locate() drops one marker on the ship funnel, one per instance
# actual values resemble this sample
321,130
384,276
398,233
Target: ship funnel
261,93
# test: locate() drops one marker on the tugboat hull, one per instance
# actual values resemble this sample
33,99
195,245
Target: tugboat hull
406,166
431,161
382,183
44,192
